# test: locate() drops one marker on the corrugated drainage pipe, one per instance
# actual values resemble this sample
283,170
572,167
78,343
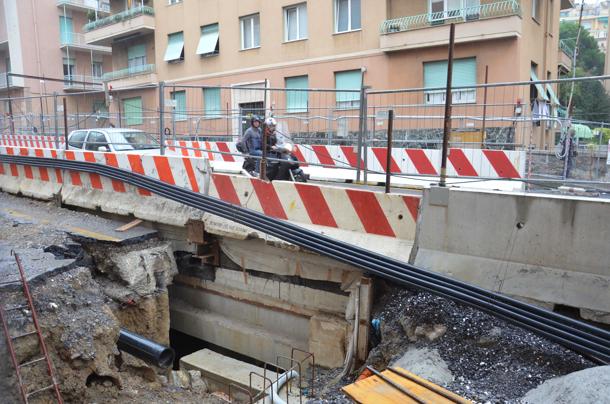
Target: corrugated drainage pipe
145,349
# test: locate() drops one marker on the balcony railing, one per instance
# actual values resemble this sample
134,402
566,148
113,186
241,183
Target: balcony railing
79,81
503,8
102,6
129,72
565,48
3,83
77,39
122,16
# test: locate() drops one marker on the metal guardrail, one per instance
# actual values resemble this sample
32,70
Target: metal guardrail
565,48
122,16
129,72
574,334
503,8
102,6
80,81
3,82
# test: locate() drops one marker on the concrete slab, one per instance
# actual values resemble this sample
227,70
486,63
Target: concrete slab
219,371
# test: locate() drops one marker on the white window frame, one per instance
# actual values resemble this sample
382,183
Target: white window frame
296,7
459,96
242,23
93,66
172,2
349,19
536,10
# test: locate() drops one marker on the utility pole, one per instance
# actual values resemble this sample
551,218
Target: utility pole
448,99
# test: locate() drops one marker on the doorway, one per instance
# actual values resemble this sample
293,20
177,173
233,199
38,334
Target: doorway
246,110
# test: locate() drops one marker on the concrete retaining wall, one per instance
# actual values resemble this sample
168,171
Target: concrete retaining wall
550,249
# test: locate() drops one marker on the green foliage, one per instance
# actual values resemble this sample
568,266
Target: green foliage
605,136
590,57
590,100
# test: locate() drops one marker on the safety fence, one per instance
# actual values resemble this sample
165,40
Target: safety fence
332,127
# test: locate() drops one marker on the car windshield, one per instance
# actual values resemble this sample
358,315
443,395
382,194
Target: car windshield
132,140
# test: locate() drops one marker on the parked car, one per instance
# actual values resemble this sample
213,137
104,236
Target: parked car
116,140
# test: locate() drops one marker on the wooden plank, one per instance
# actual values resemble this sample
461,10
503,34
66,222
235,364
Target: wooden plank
374,390
129,225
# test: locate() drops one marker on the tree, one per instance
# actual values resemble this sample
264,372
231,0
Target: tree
590,101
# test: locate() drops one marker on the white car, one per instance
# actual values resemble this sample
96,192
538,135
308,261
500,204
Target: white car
114,140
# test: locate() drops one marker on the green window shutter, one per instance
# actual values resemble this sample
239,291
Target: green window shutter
132,109
208,42
464,73
350,80
211,102
296,101
136,51
539,87
175,46
180,109
435,74
65,30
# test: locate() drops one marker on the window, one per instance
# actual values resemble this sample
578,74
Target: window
295,22
441,9
174,1
77,139
180,108
208,41
69,69
175,47
65,30
8,64
296,101
100,110
536,10
347,15
211,102
136,57
349,80
132,109
97,69
536,89
95,140
250,31
464,74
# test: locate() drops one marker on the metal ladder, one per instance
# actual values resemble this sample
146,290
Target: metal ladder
23,388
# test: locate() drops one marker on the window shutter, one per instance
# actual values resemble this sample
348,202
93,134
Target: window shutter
175,45
296,101
211,102
350,80
208,40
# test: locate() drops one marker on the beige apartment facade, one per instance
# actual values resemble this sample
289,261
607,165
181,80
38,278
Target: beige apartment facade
241,44
44,39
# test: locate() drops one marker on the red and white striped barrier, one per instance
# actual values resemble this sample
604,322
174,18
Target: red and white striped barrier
462,162
362,211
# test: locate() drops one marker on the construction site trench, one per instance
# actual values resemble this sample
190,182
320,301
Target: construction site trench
89,280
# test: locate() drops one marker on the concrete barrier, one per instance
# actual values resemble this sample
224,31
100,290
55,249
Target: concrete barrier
550,249
385,222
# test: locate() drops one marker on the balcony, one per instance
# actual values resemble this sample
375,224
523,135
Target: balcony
500,19
129,23
79,82
131,76
13,82
85,5
77,41
564,59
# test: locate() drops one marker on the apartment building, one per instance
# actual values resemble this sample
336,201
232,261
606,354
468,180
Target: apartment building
291,44
44,38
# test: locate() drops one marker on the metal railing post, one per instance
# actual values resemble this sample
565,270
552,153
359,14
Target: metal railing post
448,99
65,123
10,103
388,161
360,133
56,121
161,120
365,136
